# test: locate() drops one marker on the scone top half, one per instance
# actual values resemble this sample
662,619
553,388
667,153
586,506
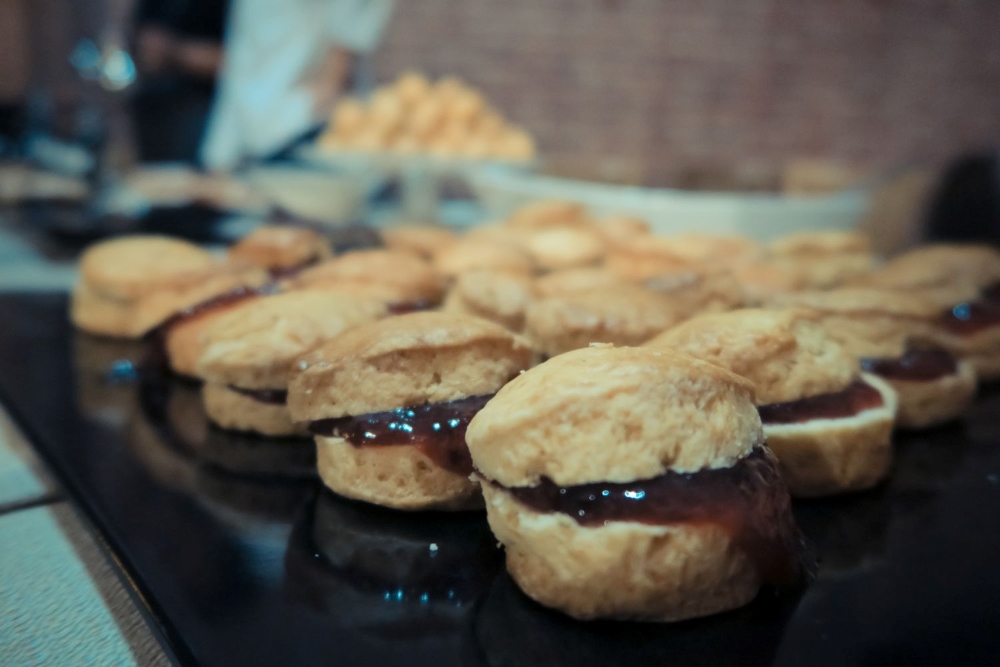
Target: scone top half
409,360
614,414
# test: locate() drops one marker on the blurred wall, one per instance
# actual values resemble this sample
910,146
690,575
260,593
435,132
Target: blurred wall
700,82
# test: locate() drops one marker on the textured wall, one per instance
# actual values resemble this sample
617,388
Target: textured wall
706,82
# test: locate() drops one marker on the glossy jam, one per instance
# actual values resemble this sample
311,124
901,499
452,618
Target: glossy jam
404,307
224,300
269,396
436,429
971,317
748,501
914,366
858,396
283,272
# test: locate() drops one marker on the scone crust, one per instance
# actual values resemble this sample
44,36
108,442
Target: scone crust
98,313
277,246
785,353
252,346
493,295
186,341
400,477
824,457
928,403
565,247
129,267
810,244
623,315
407,274
233,411
581,279
414,359
470,254
613,414
548,213
673,572
422,240
939,265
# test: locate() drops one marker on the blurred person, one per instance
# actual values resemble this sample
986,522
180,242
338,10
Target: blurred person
178,52
285,64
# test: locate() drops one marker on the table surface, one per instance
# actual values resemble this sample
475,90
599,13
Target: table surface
234,566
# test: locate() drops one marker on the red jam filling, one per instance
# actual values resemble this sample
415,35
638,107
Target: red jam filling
436,429
971,317
269,396
914,366
283,272
224,300
749,501
857,397
404,307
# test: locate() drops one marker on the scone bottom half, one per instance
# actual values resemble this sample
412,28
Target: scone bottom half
698,534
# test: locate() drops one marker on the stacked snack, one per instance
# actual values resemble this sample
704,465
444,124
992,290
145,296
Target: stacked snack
282,250
414,116
633,484
829,424
892,334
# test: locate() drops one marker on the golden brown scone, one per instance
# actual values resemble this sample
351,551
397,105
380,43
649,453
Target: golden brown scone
565,247
789,357
879,324
936,266
763,281
396,273
471,254
621,227
576,280
827,271
96,313
612,415
401,361
422,240
705,248
822,457
641,258
786,353
238,412
812,244
129,267
700,289
281,247
253,345
549,213
416,361
493,295
623,315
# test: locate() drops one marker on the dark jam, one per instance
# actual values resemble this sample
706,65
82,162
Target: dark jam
914,366
224,300
858,396
971,317
269,396
436,429
404,307
283,272
749,501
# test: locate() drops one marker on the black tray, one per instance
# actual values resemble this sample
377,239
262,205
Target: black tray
238,565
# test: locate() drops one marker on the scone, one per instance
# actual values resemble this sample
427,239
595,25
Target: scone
823,260
493,295
829,424
557,248
964,281
548,213
248,351
422,240
890,333
403,281
576,280
618,228
130,285
389,403
633,483
469,254
623,314
283,250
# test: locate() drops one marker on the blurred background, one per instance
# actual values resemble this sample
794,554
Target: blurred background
759,117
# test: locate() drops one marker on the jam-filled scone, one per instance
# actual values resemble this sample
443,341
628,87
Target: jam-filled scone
422,240
633,483
622,314
891,335
493,295
128,286
644,257
389,402
964,281
281,249
247,353
403,281
829,424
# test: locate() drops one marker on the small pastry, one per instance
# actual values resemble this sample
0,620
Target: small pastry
576,280
399,278
823,260
621,228
565,247
964,281
549,213
829,424
890,333
476,253
824,243
389,402
422,240
282,250
247,353
633,483
700,289
493,295
762,281
623,315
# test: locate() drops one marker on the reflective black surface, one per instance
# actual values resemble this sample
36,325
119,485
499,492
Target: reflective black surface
240,565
